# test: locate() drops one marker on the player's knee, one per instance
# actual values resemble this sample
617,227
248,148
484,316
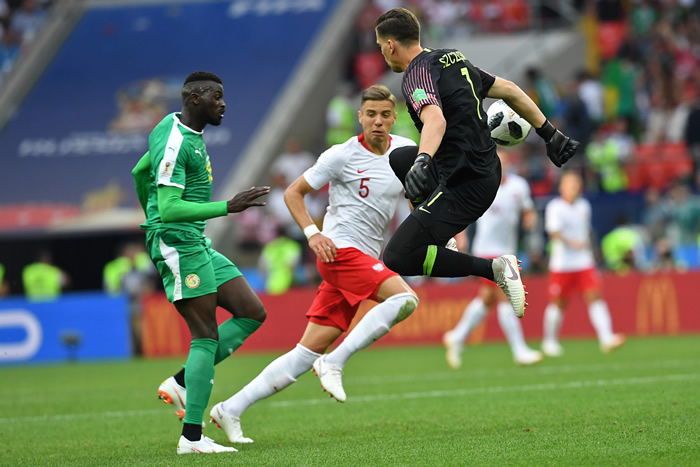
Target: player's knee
259,314
395,261
409,305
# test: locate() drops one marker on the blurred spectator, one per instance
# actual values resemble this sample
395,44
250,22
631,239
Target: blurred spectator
9,50
692,137
624,247
543,92
4,286
27,19
133,274
42,280
293,161
685,215
341,117
657,214
577,119
608,153
278,262
663,259
591,92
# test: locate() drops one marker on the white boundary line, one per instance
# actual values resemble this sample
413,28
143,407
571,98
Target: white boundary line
383,397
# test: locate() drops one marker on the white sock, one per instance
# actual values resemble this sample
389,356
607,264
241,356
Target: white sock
552,323
600,318
512,329
276,376
473,315
374,325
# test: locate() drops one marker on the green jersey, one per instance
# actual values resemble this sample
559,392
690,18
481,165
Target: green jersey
178,158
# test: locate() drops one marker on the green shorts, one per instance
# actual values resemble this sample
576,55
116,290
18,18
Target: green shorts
188,264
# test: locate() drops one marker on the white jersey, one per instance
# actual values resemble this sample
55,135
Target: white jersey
363,193
497,228
573,222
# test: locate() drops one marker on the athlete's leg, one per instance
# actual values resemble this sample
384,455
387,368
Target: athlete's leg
397,302
473,315
276,376
599,315
553,316
513,330
200,315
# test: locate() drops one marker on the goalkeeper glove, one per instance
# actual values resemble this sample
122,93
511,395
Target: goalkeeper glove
560,148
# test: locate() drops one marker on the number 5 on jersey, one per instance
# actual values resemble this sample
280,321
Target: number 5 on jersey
364,189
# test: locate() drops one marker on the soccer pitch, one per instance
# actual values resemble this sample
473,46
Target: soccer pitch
638,406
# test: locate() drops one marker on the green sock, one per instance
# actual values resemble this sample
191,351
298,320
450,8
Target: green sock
199,378
232,333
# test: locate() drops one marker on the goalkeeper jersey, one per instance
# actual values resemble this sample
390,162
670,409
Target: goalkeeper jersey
178,158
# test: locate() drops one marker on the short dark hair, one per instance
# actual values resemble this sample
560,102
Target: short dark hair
377,92
399,24
203,76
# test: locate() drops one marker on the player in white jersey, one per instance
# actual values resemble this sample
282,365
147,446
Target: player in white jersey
363,197
497,235
572,267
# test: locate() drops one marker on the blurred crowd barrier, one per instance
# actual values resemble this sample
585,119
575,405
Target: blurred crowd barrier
641,305
79,326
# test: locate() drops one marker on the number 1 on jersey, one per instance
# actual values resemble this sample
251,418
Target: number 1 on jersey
465,72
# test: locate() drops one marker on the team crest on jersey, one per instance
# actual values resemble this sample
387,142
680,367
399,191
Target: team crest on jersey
192,281
379,267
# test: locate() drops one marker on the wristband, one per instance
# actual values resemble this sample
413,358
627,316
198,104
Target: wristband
546,131
311,230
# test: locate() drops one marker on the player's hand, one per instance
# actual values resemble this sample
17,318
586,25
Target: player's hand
247,198
323,247
560,148
416,183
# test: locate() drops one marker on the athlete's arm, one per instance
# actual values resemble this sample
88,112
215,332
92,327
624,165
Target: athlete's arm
141,174
294,199
529,219
517,100
434,126
172,208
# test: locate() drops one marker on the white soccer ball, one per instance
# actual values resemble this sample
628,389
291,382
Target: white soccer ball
507,127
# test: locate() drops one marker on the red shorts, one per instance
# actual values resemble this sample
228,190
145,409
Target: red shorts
563,284
353,276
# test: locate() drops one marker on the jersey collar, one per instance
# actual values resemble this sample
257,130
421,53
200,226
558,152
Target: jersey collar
176,116
361,139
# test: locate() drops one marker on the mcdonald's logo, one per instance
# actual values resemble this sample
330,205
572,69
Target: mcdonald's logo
657,306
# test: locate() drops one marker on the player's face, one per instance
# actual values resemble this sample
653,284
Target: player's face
213,103
388,48
377,118
570,186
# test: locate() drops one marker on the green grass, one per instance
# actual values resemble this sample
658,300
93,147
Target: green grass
638,406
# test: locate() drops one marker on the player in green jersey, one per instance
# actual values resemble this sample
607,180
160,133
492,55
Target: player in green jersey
174,185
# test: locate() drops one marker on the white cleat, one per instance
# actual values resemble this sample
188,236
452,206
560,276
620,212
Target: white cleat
552,349
617,341
331,377
172,393
230,424
529,357
452,244
203,446
453,351
506,273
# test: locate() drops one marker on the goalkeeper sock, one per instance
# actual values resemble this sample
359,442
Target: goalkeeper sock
199,376
232,333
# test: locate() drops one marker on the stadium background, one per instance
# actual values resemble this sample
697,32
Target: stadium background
83,82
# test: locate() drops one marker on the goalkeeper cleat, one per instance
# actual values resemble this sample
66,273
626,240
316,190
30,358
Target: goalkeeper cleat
172,393
203,446
331,377
453,353
506,275
615,343
528,357
230,424
452,244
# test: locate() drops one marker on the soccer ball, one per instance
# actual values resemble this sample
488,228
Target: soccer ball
507,127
